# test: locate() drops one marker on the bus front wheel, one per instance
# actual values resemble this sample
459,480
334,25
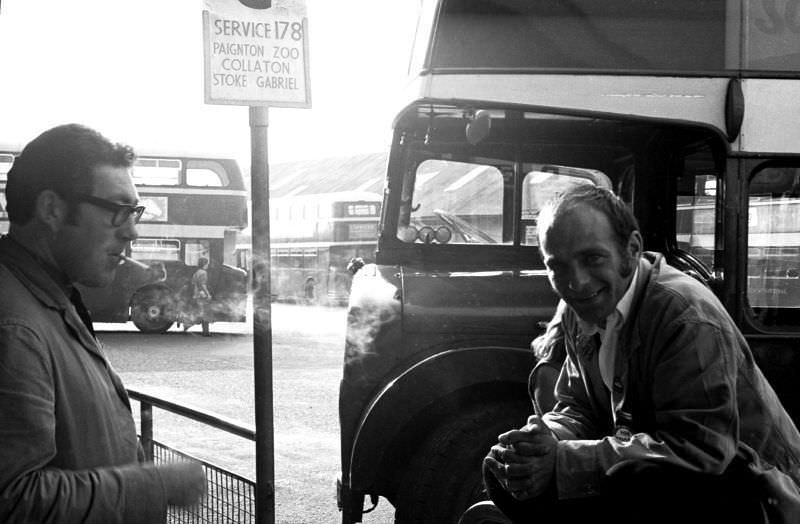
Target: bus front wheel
443,479
153,310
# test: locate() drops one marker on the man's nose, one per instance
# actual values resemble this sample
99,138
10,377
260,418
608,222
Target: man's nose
128,231
578,278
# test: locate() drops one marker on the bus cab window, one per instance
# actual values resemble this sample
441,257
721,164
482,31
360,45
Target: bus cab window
456,203
773,261
544,182
696,216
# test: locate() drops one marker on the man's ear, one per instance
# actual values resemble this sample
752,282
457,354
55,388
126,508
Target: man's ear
635,244
51,209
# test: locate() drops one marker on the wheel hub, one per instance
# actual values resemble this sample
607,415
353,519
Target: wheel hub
153,312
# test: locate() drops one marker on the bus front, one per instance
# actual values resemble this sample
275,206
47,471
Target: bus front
685,109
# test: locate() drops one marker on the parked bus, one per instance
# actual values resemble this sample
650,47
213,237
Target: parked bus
314,238
687,109
194,207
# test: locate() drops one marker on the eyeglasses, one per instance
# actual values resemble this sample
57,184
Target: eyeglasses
122,212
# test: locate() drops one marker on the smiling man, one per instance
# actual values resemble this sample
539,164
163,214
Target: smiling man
661,413
68,445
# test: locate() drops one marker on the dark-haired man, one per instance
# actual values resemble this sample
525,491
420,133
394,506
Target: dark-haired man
661,413
68,445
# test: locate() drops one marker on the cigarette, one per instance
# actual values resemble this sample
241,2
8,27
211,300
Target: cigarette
142,265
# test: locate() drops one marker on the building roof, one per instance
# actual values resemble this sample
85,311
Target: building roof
360,173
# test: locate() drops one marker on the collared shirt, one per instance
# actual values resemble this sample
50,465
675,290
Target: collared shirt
609,335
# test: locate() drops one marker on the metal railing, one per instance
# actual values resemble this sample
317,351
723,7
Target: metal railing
231,498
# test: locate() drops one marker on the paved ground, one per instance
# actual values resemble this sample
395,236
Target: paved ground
216,374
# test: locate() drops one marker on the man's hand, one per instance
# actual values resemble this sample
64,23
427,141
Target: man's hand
184,482
524,460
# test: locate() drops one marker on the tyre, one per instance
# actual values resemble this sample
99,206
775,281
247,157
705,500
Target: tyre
153,310
444,477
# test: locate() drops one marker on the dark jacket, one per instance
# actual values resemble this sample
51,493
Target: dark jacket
686,390
68,445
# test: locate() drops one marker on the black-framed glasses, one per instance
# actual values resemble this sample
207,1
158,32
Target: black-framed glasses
122,212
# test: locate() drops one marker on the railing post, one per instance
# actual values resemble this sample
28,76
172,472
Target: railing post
146,424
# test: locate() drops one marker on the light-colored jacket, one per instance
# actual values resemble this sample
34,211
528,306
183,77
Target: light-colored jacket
685,385
68,445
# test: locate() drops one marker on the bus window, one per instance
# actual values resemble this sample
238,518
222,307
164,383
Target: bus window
3,212
6,161
196,249
361,210
202,173
542,183
773,262
156,249
157,172
453,202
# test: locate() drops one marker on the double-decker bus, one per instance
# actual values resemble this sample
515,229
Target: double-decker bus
194,207
314,239
688,109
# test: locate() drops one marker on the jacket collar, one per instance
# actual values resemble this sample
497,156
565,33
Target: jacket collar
649,269
48,286
45,283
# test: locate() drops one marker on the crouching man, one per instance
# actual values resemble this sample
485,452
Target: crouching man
661,413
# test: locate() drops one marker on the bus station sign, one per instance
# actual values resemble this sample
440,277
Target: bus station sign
256,57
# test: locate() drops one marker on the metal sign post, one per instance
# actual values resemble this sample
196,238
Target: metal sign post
256,54
262,318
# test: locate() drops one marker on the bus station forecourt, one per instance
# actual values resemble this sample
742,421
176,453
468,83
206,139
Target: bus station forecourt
215,374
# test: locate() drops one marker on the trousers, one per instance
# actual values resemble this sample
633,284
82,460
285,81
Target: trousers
644,492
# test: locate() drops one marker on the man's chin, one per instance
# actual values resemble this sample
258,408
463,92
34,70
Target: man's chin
591,314
101,279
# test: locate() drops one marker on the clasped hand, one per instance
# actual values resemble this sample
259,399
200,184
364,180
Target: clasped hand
523,460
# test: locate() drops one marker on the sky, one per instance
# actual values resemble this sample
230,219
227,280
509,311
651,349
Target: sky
133,70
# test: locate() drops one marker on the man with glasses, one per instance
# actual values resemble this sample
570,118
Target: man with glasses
68,445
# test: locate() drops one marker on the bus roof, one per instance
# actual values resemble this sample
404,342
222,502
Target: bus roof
681,99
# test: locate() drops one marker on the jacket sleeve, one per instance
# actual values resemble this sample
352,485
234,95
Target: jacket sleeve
31,490
572,417
691,373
